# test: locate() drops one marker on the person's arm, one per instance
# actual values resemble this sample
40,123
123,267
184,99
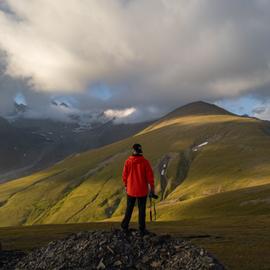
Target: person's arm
150,176
125,173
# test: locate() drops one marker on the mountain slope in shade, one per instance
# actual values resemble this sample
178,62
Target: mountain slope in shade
28,145
3,123
205,164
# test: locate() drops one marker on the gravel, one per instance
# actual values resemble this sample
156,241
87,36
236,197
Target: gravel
116,250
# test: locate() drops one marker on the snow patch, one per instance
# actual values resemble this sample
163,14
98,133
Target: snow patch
196,148
87,121
65,112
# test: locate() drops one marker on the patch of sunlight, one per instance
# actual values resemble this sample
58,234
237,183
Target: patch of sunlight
194,121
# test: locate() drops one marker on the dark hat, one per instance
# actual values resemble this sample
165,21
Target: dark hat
137,148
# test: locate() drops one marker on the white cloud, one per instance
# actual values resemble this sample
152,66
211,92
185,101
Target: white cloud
65,44
262,113
119,113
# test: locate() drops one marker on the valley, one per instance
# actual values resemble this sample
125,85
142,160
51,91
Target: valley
30,145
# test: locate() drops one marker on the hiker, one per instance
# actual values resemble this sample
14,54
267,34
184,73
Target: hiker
137,177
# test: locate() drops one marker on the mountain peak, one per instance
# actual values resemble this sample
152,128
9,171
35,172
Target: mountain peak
20,107
198,108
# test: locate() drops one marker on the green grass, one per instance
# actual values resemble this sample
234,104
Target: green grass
88,186
226,192
248,201
238,242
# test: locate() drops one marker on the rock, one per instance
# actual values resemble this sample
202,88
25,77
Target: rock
117,250
110,249
155,264
117,263
145,259
101,265
9,259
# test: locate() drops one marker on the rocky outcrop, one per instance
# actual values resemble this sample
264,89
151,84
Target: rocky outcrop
118,250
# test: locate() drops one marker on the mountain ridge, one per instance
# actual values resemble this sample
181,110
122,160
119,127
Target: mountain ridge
209,159
197,108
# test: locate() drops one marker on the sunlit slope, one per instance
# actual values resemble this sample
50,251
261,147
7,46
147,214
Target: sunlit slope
88,186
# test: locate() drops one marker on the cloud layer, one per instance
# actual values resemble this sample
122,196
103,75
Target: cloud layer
151,54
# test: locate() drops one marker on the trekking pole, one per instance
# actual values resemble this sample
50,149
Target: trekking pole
155,212
151,216
152,203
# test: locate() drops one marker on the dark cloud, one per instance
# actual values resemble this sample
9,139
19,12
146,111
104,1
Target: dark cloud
259,110
153,55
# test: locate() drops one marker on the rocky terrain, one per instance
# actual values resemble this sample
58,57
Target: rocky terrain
114,250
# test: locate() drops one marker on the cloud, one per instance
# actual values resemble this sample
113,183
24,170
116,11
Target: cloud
262,112
259,110
151,54
119,113
264,115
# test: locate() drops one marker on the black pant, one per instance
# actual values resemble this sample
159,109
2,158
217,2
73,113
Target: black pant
130,206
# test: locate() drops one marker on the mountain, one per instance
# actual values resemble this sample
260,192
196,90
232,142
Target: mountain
28,145
198,108
4,123
60,112
207,162
20,108
16,148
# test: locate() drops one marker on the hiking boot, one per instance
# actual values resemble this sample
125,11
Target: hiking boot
144,232
125,230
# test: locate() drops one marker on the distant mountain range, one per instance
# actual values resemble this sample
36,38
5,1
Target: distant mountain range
81,120
207,163
31,144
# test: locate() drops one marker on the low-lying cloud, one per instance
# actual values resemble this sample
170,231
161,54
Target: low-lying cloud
156,54
262,112
119,113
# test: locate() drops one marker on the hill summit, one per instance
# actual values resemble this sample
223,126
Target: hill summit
198,108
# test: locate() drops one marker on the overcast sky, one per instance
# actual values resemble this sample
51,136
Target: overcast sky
142,57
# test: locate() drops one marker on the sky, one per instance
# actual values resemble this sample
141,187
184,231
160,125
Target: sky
135,59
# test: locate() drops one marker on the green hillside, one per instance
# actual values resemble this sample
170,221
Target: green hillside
208,162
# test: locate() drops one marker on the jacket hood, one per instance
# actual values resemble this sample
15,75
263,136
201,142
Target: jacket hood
136,159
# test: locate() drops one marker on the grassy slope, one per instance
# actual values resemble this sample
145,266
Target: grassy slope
228,176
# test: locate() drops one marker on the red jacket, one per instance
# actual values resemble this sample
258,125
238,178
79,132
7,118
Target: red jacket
137,174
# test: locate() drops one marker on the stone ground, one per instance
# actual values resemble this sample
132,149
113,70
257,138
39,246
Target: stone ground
113,250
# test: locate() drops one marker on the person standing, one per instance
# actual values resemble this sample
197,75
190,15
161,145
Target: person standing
137,177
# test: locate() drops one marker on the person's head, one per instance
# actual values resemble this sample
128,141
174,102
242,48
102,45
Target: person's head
137,149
